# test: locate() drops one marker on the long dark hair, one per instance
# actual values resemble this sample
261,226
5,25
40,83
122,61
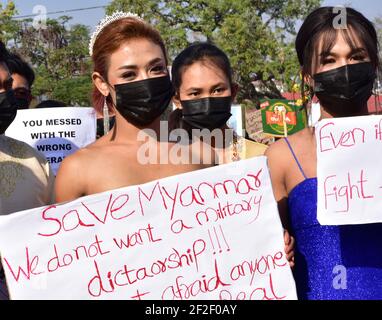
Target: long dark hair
4,54
319,25
198,51
18,65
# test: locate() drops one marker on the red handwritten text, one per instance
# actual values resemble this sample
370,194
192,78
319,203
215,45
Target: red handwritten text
338,195
109,281
183,291
332,140
74,219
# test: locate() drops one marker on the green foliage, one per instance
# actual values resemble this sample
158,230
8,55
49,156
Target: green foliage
257,35
8,27
73,90
59,55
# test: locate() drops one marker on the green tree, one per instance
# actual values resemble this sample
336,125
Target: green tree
8,27
59,55
257,35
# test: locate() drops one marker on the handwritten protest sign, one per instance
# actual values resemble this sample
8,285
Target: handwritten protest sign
254,126
348,170
56,132
209,234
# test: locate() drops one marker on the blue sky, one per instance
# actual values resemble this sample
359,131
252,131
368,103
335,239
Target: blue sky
370,8
88,17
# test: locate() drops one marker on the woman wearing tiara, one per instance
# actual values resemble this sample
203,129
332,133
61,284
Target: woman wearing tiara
130,80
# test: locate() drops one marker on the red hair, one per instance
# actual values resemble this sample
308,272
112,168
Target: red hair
109,40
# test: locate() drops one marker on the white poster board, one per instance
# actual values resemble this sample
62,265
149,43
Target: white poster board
236,120
55,132
349,172
208,234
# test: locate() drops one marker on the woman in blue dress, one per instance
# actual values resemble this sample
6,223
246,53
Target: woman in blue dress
339,62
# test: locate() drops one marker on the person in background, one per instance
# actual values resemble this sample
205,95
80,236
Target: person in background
26,179
204,92
340,66
23,77
24,172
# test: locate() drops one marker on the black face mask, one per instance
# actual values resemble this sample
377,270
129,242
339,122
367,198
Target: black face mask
345,91
8,110
141,102
207,113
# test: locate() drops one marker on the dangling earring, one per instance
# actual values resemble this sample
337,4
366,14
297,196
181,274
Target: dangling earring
106,126
306,98
376,92
306,91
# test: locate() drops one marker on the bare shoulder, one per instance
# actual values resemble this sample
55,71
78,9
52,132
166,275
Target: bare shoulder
72,176
280,156
84,159
297,141
276,149
75,160
302,137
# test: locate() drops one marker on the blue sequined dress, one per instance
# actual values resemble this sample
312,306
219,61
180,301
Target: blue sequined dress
332,262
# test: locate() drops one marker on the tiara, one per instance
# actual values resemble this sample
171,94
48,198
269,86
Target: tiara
117,15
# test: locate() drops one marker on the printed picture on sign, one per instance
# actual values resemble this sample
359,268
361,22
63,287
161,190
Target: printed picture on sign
282,117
